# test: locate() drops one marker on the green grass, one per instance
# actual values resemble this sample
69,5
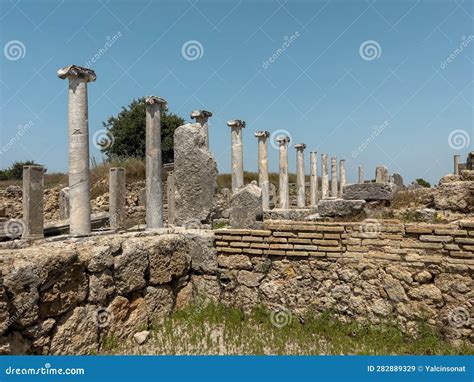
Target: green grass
215,329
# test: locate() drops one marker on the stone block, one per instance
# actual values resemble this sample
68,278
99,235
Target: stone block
370,191
340,208
246,207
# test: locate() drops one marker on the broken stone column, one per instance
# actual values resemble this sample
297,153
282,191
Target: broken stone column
313,182
324,176
154,183
381,174
263,181
117,198
397,179
457,159
284,193
300,180
236,126
170,197
201,117
64,203
334,177
195,176
246,207
342,176
361,175
78,120
33,180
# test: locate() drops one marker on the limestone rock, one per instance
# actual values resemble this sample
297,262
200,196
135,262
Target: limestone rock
467,175
394,289
234,262
185,296
141,337
423,277
455,196
64,207
14,344
101,286
102,257
159,300
369,191
246,207
296,214
341,208
4,314
130,266
206,287
426,292
250,279
202,251
381,174
123,317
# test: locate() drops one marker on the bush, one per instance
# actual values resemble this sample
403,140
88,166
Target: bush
15,171
423,183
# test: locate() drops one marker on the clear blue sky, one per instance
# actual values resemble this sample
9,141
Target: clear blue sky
324,88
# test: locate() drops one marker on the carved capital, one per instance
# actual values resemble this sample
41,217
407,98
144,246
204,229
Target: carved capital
236,123
152,100
74,71
262,134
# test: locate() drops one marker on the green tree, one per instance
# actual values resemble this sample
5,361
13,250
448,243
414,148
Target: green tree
127,131
423,183
15,171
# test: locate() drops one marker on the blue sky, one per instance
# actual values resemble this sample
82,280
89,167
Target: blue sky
346,68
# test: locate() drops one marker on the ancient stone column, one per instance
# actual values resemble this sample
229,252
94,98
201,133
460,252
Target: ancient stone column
457,158
154,183
78,120
300,181
236,126
342,176
381,174
324,176
201,117
263,181
117,198
170,197
334,177
284,193
361,175
313,182
33,202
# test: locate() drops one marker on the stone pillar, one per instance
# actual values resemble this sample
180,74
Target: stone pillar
284,193
33,202
78,120
361,174
236,126
263,181
313,182
170,197
201,117
334,177
117,198
342,176
381,174
457,158
154,183
324,176
300,180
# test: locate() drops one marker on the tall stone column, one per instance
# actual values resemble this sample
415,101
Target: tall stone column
342,176
300,181
117,197
33,180
154,183
284,193
313,182
263,181
170,197
236,126
334,177
457,159
361,175
78,120
381,174
201,117
324,176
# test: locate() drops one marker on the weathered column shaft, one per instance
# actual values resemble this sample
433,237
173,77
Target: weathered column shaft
300,180
361,175
324,176
117,197
237,153
313,182
334,177
381,174
33,180
201,117
457,159
284,194
170,197
263,180
342,176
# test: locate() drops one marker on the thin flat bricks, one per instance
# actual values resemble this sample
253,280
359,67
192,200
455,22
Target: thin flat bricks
170,197
117,197
79,178
263,181
284,193
313,182
342,176
334,177
457,159
201,117
300,181
33,179
154,184
361,174
237,154
324,176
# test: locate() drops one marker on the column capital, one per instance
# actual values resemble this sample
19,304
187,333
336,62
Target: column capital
74,71
300,146
283,140
262,134
152,100
236,123
197,114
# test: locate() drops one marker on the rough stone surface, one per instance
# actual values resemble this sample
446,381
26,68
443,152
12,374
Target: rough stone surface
455,196
64,203
297,214
130,266
341,207
381,174
369,191
141,337
397,179
246,207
